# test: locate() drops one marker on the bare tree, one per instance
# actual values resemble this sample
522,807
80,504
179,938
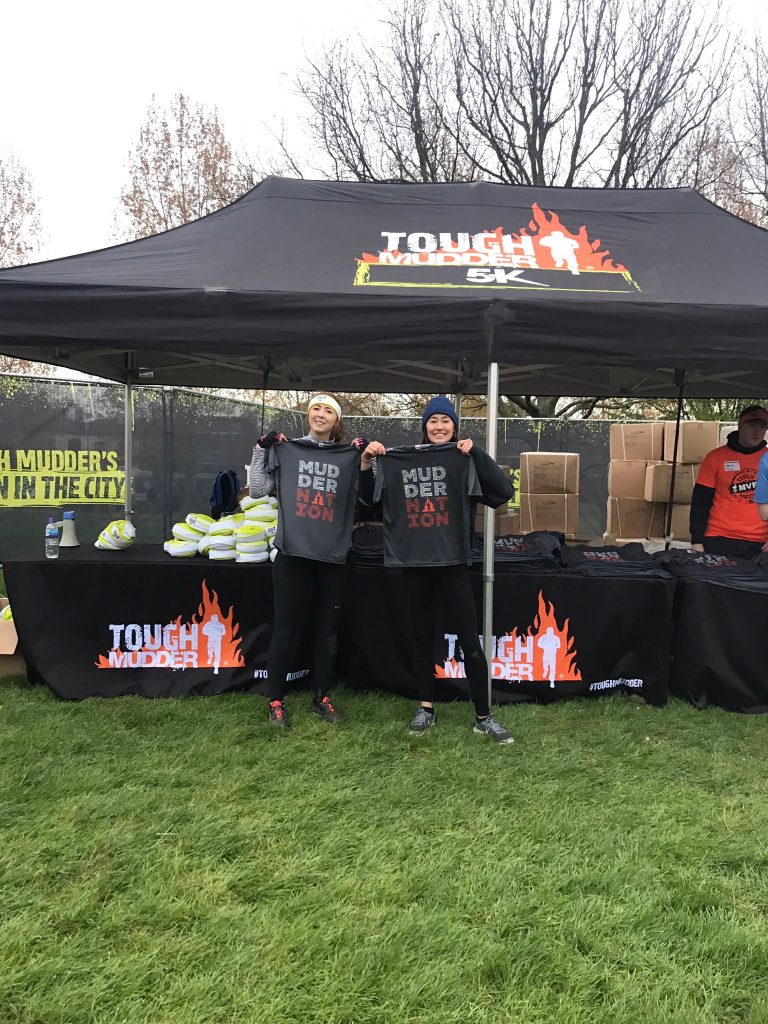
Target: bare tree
611,93
19,239
182,168
750,128
19,221
378,111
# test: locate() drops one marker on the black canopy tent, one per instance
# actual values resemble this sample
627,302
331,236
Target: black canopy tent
454,288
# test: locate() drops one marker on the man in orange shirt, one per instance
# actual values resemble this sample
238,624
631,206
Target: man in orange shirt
724,517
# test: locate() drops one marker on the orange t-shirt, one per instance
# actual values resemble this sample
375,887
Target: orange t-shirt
733,476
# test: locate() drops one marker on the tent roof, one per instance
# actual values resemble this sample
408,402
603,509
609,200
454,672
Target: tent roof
363,287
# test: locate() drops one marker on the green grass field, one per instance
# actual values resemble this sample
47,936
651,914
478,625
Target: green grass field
176,862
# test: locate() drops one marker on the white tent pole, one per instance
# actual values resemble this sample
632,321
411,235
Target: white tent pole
128,406
488,524
457,405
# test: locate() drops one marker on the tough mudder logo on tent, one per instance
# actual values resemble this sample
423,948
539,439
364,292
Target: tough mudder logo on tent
546,652
209,640
544,256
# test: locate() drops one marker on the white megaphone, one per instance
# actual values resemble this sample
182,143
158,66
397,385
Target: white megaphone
68,531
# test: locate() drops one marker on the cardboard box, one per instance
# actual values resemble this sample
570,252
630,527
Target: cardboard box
680,528
681,522
725,430
11,662
498,513
637,442
697,438
556,512
549,473
658,477
626,479
507,525
632,517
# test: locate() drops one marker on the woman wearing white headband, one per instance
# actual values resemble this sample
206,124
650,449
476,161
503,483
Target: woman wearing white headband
303,586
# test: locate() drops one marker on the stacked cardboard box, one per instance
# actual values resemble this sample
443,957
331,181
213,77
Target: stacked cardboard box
11,662
640,476
549,492
633,447
506,520
696,439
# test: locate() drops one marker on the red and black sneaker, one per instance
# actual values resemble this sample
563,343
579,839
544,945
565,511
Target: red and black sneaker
323,708
278,714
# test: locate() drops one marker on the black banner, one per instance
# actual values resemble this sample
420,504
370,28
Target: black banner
96,624
717,655
555,635
138,622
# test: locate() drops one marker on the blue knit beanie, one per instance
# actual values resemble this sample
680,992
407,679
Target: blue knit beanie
440,406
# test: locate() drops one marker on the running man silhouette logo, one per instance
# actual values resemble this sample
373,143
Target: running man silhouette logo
533,258
214,631
564,250
546,652
549,645
177,644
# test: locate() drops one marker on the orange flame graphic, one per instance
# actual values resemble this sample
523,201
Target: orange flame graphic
156,654
586,253
546,647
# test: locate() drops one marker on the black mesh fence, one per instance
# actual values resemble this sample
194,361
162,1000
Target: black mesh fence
63,448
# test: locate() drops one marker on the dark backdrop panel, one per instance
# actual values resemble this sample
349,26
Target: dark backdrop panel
182,439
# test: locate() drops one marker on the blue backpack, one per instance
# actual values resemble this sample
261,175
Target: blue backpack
226,487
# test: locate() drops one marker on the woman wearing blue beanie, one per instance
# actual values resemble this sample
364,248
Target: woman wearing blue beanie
448,587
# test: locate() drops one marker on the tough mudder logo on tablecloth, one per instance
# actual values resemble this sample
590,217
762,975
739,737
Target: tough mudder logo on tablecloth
316,491
209,640
546,652
426,497
544,256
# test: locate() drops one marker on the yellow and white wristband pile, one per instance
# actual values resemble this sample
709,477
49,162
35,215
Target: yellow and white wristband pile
246,536
116,536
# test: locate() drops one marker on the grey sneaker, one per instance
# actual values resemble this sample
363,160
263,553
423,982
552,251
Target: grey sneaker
492,729
421,722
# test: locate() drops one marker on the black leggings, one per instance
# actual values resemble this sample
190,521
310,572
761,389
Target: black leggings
304,588
447,588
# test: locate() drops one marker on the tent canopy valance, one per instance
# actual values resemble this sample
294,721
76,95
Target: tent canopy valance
363,287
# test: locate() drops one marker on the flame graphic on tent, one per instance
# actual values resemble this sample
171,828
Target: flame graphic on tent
587,253
557,646
229,655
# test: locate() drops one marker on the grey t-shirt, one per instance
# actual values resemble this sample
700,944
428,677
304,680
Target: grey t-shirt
316,490
426,491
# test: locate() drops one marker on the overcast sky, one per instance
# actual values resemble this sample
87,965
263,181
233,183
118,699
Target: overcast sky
78,77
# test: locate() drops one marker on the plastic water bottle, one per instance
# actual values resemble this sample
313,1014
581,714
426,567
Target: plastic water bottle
51,539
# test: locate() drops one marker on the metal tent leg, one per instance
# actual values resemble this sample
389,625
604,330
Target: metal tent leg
488,525
128,401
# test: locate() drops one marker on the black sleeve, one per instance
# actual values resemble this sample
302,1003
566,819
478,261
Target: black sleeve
495,484
701,503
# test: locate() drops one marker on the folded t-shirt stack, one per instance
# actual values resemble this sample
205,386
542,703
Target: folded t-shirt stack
609,560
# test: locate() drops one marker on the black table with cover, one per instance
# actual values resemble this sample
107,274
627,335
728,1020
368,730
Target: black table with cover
720,608
97,623
594,626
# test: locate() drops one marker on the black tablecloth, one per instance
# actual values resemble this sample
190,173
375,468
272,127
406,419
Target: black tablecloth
97,623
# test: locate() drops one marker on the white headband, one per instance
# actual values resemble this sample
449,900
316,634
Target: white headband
325,400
